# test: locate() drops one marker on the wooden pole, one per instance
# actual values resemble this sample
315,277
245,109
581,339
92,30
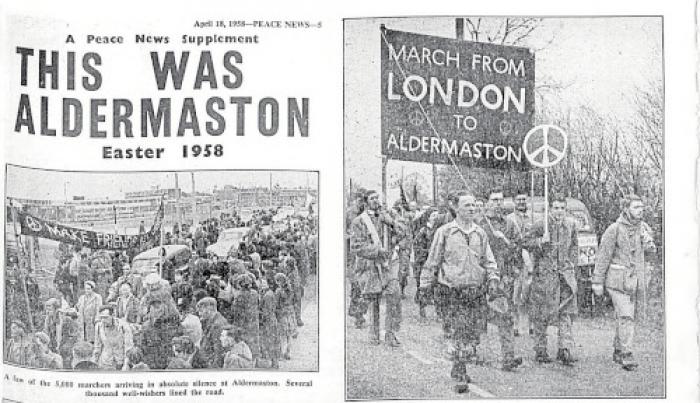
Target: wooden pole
546,202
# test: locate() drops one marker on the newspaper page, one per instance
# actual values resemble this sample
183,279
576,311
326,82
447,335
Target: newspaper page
361,202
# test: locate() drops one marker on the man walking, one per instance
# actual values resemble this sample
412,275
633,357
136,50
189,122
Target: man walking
553,290
505,240
620,267
376,268
523,220
461,257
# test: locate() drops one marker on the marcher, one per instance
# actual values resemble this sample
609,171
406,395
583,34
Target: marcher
113,339
18,349
51,322
506,244
212,325
621,268
87,306
552,298
377,267
237,354
521,288
70,334
44,357
461,259
421,248
269,330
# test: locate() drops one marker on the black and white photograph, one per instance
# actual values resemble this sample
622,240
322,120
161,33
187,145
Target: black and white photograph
504,207
146,271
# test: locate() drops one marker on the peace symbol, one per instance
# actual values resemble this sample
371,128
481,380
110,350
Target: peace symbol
545,145
415,118
33,224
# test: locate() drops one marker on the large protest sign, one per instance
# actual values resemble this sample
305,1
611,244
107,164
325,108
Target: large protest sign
34,226
443,98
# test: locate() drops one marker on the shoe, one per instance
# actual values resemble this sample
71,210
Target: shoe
300,323
617,356
286,357
459,372
516,333
464,388
564,356
511,364
421,312
628,362
541,357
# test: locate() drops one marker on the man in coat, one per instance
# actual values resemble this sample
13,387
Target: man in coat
523,220
376,266
113,338
552,299
620,267
212,325
506,244
461,259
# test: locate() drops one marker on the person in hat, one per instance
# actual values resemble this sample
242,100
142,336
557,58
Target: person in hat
552,299
237,354
18,349
112,340
246,314
44,357
127,277
88,306
212,325
70,334
51,322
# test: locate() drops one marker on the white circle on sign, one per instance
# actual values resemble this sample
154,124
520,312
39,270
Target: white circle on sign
33,224
545,154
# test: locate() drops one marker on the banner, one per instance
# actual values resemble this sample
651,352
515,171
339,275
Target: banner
445,99
34,226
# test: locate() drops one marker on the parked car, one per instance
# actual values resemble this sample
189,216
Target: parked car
229,240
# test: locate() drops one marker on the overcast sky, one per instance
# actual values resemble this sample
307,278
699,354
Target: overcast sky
600,60
41,184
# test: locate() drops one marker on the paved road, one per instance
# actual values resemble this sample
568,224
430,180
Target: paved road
420,368
304,349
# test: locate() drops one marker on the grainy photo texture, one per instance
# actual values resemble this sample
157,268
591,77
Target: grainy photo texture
504,207
144,271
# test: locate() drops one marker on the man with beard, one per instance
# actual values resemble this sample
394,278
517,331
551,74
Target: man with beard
523,220
552,298
620,267
505,240
212,325
462,260
375,268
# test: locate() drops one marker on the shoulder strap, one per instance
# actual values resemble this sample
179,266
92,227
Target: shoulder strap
370,227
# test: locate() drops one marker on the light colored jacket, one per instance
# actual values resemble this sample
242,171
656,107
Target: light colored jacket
620,259
462,257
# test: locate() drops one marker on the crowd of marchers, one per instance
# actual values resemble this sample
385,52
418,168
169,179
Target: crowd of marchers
476,263
198,310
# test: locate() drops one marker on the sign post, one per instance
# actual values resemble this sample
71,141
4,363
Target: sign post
545,146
